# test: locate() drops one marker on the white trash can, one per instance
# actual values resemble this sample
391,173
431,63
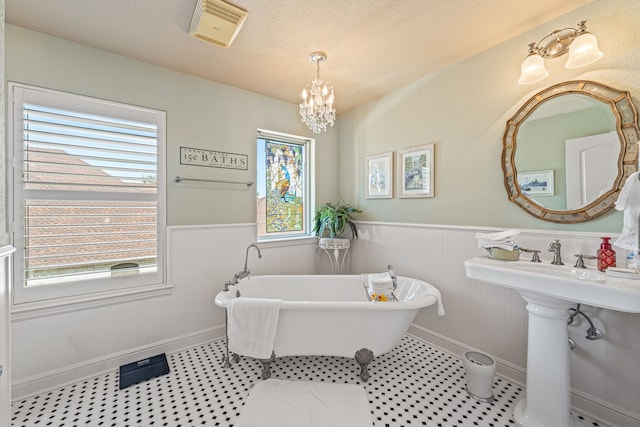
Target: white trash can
480,369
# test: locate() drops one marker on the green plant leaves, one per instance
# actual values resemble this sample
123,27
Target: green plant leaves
333,218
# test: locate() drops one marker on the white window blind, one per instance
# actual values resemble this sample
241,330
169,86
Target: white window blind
87,176
71,151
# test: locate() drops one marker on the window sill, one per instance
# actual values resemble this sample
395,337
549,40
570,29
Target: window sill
285,242
32,310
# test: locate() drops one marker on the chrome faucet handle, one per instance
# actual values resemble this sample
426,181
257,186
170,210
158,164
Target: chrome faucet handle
580,260
535,257
227,284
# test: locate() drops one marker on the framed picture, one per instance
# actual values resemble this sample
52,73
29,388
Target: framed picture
380,176
536,183
416,167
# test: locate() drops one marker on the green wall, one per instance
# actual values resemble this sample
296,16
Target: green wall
200,114
463,110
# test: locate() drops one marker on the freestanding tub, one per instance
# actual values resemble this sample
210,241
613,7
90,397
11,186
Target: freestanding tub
333,315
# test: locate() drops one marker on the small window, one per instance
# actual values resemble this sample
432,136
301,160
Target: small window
88,195
284,171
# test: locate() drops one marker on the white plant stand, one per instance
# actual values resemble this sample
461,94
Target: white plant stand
337,250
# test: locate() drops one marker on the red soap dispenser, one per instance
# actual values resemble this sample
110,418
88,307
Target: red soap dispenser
606,255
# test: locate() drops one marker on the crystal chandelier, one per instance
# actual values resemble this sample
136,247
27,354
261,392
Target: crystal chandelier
316,108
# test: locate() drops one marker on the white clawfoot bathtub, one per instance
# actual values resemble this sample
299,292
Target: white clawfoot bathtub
332,315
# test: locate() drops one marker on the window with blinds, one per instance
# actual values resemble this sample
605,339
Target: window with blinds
87,193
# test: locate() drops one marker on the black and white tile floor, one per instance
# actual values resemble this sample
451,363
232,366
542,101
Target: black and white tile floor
413,385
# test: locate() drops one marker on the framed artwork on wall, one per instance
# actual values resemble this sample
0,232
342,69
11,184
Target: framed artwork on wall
416,169
379,176
537,183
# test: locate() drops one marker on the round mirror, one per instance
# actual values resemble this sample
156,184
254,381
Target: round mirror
568,150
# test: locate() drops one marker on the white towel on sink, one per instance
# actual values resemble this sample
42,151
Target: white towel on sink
252,325
503,239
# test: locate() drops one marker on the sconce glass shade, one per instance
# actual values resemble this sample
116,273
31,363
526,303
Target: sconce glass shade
532,70
583,51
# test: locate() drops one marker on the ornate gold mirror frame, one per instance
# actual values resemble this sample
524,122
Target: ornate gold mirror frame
626,118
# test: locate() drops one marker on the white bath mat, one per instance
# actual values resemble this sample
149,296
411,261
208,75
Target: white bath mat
281,403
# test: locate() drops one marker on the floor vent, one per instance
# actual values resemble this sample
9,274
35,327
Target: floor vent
143,370
217,22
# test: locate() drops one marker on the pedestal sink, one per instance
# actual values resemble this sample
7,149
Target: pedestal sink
550,291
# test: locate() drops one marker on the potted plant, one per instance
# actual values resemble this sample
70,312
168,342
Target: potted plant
332,219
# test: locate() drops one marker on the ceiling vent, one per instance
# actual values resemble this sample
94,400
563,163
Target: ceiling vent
217,22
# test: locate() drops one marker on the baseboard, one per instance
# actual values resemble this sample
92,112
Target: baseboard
583,403
509,371
602,411
37,384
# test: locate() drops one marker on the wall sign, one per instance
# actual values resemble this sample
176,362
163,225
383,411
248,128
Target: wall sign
213,159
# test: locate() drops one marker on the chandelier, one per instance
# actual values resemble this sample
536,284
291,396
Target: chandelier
316,108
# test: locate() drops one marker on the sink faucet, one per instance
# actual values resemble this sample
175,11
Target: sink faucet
555,248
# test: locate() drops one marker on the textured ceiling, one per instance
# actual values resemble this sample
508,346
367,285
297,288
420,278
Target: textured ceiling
373,46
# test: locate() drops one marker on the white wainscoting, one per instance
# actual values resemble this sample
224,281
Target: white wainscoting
83,342
5,334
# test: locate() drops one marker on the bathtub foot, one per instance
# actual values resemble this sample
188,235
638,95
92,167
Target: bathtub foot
225,362
266,366
364,356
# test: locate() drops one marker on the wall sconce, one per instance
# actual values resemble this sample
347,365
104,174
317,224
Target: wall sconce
581,45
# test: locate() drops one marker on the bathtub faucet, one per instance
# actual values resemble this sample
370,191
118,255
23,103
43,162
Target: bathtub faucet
246,272
234,281
394,278
228,284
